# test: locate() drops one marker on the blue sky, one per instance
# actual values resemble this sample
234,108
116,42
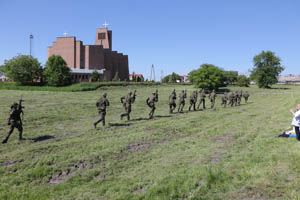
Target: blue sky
174,35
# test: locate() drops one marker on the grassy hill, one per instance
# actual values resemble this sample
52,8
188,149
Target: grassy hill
231,153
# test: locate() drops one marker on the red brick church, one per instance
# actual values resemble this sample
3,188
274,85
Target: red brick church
84,59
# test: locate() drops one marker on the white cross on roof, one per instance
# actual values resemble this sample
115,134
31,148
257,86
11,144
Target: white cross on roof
65,34
105,24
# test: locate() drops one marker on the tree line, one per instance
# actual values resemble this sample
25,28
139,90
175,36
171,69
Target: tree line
265,71
26,70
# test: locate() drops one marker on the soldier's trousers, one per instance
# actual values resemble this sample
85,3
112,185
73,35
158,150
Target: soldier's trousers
246,99
172,107
127,113
231,103
212,103
192,104
102,118
201,101
151,112
224,103
14,125
180,107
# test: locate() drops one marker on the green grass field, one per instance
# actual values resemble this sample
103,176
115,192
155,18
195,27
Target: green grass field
231,153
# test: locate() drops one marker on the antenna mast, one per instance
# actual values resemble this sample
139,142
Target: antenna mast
152,74
30,44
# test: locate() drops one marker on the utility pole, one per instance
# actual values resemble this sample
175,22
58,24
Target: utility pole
152,74
30,44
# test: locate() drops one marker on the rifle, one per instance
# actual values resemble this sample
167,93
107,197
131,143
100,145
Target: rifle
20,107
134,95
156,95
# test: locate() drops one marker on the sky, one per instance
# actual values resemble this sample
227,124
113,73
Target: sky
173,35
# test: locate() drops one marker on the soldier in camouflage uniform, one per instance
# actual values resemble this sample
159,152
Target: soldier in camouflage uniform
172,101
14,120
231,99
236,96
182,100
202,99
127,101
193,100
224,99
246,96
212,97
240,95
101,104
151,103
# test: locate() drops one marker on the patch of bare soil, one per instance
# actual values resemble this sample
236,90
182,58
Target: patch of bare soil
138,190
12,163
139,146
63,176
221,142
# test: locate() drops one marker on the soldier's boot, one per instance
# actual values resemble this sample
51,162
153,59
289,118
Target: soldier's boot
20,135
95,125
103,122
121,116
190,107
128,117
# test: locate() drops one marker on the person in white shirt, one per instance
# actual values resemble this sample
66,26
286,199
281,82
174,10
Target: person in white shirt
296,121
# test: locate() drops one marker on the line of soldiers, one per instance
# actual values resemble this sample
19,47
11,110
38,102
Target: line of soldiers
15,120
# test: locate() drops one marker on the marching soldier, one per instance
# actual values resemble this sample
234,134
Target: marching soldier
172,101
193,100
14,120
246,96
182,100
151,103
240,95
231,99
212,97
101,104
236,96
224,99
127,101
202,99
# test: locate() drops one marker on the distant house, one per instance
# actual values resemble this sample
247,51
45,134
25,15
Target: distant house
183,79
3,78
136,77
289,79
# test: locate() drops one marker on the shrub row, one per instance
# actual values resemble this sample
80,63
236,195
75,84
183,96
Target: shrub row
77,87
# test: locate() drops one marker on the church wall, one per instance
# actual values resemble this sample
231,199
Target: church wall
66,48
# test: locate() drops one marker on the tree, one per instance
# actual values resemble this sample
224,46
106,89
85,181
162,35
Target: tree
23,69
243,81
230,77
266,68
172,78
56,72
95,76
207,76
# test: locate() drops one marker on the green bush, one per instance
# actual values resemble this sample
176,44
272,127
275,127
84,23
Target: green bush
207,76
56,72
24,70
243,81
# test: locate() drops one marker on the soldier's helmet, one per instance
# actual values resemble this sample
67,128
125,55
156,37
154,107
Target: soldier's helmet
105,95
14,105
153,93
130,93
213,90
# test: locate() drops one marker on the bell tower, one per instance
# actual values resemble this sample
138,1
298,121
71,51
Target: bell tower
104,37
